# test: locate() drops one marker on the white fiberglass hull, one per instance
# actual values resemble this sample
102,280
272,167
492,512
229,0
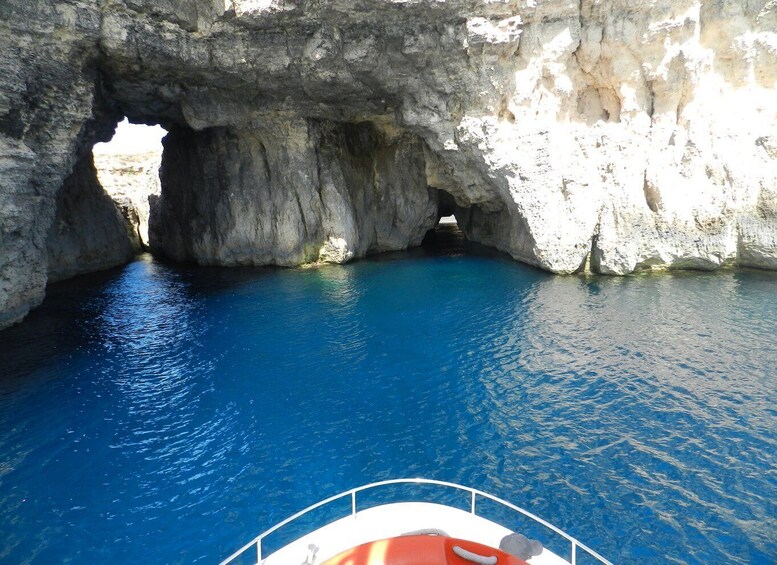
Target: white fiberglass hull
392,520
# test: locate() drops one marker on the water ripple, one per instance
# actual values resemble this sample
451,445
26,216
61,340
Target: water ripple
182,410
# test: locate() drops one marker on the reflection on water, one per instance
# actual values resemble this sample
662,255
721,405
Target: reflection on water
652,375
167,414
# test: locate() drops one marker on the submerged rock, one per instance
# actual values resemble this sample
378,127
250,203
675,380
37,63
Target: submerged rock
615,136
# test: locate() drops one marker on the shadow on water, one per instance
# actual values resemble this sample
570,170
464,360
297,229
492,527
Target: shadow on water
65,320
76,311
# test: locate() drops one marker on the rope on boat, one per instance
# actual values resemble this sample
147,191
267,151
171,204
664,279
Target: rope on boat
474,557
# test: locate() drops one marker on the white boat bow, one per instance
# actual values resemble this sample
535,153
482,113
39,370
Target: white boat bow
368,527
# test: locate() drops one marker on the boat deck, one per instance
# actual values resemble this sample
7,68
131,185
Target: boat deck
393,520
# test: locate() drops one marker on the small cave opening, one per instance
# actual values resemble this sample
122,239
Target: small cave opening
446,236
128,170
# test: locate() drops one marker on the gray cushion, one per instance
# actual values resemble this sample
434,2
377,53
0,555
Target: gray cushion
520,546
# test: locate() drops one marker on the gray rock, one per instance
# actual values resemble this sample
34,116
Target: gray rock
288,193
89,233
22,263
51,108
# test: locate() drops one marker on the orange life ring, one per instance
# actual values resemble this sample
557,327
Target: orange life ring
423,550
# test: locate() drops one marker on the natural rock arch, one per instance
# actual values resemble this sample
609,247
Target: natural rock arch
563,131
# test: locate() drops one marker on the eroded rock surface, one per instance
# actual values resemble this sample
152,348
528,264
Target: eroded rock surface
611,135
88,232
289,193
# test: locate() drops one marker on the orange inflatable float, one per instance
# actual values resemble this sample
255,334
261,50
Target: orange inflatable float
423,550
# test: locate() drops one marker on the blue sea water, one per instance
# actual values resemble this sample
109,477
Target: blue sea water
167,414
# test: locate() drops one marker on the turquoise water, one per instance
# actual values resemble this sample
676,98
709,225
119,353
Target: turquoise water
163,414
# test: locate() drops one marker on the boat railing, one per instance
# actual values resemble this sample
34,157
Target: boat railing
576,546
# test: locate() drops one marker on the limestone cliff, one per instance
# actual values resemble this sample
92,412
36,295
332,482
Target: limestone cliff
600,134
290,192
88,232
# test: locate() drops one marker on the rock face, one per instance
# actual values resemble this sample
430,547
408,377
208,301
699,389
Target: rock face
290,192
48,99
88,233
608,135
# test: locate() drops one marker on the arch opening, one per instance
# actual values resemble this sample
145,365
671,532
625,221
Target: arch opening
128,170
101,205
446,235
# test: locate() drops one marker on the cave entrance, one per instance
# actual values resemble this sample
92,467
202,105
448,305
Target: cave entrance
128,169
100,211
446,236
